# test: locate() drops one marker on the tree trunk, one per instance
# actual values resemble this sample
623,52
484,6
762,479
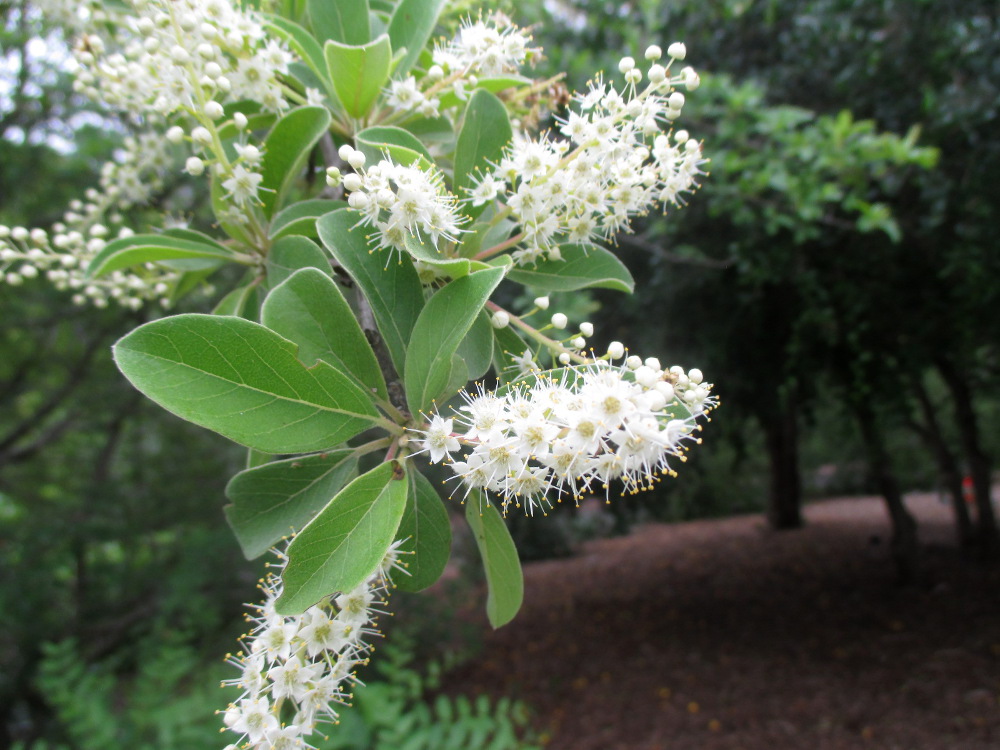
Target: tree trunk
784,502
905,548
979,463
948,467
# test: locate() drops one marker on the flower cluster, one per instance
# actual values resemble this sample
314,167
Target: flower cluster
181,55
302,666
64,254
613,163
399,202
573,431
485,48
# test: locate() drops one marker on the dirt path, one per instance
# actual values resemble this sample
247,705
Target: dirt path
722,634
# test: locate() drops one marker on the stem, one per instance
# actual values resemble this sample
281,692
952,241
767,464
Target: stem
534,334
490,252
372,446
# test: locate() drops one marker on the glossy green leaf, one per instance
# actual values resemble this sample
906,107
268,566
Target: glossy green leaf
391,286
300,217
453,268
289,254
401,146
275,499
485,133
442,325
193,235
410,26
346,542
309,309
344,21
151,248
476,349
285,151
426,530
504,578
303,44
580,268
243,301
458,378
358,72
257,458
243,381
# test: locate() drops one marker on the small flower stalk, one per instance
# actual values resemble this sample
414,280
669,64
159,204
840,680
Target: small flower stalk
295,670
572,432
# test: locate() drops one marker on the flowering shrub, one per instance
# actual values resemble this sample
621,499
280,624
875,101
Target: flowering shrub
366,302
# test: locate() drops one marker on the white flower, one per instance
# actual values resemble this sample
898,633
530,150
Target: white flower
402,203
439,439
242,186
595,424
304,660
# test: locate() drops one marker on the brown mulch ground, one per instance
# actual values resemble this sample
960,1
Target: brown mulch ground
723,634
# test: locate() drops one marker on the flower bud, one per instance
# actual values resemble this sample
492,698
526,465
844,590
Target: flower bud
653,52
587,329
677,50
542,303
352,182
175,134
616,349
194,166
214,110
500,319
560,321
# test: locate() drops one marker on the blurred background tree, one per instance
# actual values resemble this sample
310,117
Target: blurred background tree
835,264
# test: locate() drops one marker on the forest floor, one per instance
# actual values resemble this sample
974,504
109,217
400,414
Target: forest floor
722,634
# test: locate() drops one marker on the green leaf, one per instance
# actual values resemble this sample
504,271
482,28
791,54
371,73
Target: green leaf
304,45
358,72
289,254
451,267
476,349
285,151
426,530
273,500
580,268
410,27
346,542
300,217
442,325
151,248
391,286
344,21
309,309
243,301
243,381
504,578
402,146
485,133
